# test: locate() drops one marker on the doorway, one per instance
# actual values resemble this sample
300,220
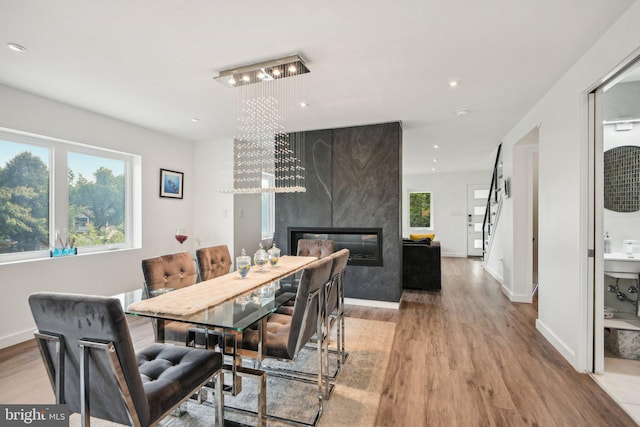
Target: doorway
477,195
614,128
525,216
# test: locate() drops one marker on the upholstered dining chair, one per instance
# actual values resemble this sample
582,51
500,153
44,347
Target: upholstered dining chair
213,261
315,247
165,273
88,353
287,335
319,248
334,303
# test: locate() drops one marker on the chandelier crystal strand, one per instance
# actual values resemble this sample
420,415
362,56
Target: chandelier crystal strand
264,99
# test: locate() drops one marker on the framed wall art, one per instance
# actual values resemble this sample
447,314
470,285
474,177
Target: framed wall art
171,184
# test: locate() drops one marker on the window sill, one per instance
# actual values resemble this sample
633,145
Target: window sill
47,257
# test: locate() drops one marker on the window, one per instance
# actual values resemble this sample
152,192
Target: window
268,206
96,201
24,197
87,191
420,209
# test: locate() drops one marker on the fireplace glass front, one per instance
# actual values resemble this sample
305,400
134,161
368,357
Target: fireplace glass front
364,244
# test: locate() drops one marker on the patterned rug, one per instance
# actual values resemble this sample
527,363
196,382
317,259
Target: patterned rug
354,401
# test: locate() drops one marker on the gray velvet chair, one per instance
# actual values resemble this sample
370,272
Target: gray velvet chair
315,247
334,302
319,248
167,272
89,356
287,335
213,261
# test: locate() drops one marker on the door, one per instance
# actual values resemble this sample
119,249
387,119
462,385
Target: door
477,195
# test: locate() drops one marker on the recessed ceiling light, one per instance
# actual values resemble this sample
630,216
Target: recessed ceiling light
16,47
435,160
195,119
433,169
462,112
453,83
436,146
303,104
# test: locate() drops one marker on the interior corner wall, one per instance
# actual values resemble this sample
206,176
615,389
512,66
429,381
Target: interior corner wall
563,146
449,206
100,273
213,217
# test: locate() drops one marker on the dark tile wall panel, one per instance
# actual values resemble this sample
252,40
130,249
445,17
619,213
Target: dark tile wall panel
366,193
312,208
353,179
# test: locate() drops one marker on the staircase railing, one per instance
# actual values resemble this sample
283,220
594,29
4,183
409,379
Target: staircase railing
493,192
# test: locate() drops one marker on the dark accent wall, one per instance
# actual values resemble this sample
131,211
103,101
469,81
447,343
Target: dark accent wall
353,179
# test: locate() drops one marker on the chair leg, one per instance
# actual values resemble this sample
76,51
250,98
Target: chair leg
219,381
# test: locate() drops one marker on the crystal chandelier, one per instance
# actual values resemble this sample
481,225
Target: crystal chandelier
266,157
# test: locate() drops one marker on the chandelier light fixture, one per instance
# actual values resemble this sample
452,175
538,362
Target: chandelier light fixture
267,157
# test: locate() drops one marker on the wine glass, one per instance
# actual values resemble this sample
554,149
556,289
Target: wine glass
181,235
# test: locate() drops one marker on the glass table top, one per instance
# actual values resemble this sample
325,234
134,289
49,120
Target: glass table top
237,313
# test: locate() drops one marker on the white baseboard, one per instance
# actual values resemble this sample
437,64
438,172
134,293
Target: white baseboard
454,254
9,340
557,343
372,303
494,274
515,297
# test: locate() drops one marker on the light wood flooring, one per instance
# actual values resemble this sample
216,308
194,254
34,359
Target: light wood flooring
465,356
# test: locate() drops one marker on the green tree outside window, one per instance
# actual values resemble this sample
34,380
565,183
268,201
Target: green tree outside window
420,210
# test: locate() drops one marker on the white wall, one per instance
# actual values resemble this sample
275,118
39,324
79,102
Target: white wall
222,218
449,206
247,223
104,273
213,210
563,317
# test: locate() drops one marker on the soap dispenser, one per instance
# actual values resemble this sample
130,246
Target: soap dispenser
607,243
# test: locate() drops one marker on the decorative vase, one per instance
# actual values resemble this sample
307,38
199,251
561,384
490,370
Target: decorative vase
260,258
243,264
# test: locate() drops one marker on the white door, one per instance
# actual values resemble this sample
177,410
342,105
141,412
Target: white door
476,205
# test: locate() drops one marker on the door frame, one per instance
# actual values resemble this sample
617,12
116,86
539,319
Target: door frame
593,215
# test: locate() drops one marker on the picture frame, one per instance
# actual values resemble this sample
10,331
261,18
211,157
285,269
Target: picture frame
171,184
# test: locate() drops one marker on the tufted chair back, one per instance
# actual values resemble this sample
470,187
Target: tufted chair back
213,261
315,247
169,271
85,343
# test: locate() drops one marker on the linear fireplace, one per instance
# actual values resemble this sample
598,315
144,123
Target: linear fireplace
364,244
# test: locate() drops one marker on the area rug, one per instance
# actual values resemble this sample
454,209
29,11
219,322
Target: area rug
354,401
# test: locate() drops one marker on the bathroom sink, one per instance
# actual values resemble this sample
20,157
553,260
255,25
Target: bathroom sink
622,263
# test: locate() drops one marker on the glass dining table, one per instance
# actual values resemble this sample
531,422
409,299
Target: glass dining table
221,309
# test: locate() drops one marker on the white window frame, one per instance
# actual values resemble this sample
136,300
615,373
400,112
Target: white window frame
415,230
58,191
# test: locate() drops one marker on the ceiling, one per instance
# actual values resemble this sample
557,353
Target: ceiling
152,62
